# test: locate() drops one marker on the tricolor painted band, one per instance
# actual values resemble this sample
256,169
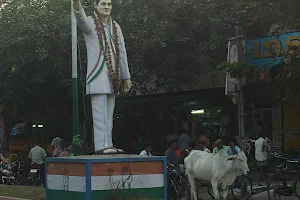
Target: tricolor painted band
149,193
67,183
69,169
127,182
105,169
135,168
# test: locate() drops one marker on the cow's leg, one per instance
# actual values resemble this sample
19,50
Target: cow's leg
225,193
215,189
193,187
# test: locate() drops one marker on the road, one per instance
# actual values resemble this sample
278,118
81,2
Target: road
261,196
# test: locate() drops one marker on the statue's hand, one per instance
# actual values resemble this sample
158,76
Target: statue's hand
127,85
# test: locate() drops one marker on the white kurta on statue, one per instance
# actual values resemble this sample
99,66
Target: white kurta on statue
99,84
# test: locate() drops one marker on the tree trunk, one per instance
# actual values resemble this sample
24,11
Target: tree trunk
3,135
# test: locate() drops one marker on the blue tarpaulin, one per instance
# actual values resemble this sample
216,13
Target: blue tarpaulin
18,129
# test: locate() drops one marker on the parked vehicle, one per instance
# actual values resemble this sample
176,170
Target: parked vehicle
177,183
34,175
12,173
281,184
6,174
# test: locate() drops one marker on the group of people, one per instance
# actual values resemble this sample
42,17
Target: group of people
37,155
180,145
59,149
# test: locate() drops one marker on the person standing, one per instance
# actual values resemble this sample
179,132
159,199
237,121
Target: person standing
107,66
59,150
261,156
183,139
233,148
56,143
219,145
147,151
37,155
172,156
202,147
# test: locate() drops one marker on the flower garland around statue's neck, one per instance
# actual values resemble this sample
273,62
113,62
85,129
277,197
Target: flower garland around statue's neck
114,74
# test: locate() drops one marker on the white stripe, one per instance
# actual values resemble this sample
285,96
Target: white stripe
136,181
69,183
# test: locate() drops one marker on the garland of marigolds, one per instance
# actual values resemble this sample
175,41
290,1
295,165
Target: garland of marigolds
114,75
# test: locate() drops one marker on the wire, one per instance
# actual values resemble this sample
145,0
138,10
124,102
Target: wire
83,91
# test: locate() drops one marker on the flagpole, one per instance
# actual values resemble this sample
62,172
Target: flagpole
74,82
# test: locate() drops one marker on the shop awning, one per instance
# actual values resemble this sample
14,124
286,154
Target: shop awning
18,129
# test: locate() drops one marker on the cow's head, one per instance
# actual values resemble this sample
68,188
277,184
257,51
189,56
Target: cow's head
240,162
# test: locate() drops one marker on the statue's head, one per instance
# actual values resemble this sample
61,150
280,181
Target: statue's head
104,7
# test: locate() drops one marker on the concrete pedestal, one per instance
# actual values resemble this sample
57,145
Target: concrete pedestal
106,177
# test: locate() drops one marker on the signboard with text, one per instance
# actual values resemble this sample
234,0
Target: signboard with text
269,51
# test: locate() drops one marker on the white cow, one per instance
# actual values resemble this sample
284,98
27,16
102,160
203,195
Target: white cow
218,169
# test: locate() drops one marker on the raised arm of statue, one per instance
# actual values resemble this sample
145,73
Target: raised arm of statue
82,19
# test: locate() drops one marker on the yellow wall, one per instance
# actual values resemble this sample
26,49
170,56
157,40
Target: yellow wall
291,123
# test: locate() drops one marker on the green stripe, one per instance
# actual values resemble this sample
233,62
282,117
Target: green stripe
149,193
64,195
100,69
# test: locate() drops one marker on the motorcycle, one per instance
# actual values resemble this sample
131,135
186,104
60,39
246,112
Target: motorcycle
6,173
177,183
34,175
11,173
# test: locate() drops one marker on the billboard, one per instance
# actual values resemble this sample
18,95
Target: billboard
270,51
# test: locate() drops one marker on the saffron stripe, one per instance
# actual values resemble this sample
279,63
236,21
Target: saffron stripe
69,169
136,168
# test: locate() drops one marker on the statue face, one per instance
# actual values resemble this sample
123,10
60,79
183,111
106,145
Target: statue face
104,7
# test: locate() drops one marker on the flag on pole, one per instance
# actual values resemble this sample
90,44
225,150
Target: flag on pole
235,53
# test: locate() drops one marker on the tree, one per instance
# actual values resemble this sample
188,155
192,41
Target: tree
35,56
270,12
171,44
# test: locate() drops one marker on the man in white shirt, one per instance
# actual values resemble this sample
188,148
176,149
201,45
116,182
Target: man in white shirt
261,155
147,151
37,155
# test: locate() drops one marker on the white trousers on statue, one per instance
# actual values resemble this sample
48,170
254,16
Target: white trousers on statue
103,106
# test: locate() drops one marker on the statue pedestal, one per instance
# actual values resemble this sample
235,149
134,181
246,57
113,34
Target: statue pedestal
106,177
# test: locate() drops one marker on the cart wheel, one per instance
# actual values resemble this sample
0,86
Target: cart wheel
242,188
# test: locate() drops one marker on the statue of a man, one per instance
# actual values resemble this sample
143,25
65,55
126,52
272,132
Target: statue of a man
107,66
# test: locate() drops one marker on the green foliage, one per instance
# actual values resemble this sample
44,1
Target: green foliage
77,140
239,69
170,43
35,55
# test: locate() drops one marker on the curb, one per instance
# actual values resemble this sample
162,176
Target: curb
11,198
